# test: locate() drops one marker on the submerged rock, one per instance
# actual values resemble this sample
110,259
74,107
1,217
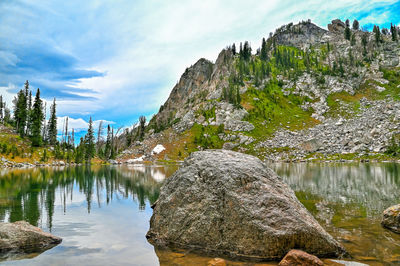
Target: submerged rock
217,262
21,237
391,218
231,204
300,258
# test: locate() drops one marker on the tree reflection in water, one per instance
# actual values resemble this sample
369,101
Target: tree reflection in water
29,194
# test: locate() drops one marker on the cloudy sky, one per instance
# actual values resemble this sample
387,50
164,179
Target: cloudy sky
116,60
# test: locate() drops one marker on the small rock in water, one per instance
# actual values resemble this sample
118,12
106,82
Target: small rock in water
300,258
391,218
217,262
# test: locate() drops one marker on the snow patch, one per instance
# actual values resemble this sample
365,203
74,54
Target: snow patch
136,160
157,149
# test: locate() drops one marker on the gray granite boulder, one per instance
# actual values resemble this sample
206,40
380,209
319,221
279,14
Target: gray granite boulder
22,238
231,204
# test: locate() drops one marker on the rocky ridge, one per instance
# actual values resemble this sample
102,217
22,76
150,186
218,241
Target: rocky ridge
345,94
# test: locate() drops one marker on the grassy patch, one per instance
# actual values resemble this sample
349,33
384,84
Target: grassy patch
269,109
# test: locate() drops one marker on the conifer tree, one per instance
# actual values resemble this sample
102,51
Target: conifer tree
238,98
107,149
37,120
142,121
356,25
28,112
52,126
264,53
347,32
7,115
66,130
20,112
73,138
233,49
112,151
90,148
353,40
393,32
1,109
377,32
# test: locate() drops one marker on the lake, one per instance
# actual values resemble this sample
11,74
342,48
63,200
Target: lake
102,212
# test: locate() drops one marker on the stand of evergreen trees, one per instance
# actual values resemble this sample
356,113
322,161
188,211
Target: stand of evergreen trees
29,121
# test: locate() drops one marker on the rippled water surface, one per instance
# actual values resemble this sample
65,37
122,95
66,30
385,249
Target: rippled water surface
102,213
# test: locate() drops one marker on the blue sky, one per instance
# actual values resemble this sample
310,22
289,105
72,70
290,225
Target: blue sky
117,60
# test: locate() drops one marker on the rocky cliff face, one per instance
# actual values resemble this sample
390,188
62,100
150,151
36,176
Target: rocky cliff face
312,92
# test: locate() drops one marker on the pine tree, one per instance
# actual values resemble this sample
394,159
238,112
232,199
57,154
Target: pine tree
1,109
264,53
142,121
233,49
112,151
73,138
347,33
107,149
353,40
37,120
26,92
29,112
66,130
99,136
356,25
20,112
90,148
393,32
377,32
246,52
52,127
7,115
238,98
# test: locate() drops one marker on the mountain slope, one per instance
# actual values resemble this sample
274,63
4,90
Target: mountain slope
308,93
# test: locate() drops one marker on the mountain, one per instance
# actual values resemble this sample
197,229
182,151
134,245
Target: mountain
306,94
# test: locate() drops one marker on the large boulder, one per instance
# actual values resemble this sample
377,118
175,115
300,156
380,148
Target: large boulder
21,237
391,218
231,204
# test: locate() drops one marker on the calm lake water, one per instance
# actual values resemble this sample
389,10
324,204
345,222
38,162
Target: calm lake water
102,213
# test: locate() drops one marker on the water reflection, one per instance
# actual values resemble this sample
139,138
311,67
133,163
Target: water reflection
30,194
348,200
376,186
102,213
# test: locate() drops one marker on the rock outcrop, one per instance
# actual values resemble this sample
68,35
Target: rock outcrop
22,238
391,218
301,35
300,258
337,26
231,204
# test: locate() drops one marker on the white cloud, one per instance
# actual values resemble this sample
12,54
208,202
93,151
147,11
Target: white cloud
79,124
144,47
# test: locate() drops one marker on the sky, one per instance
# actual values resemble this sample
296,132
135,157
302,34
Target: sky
117,60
